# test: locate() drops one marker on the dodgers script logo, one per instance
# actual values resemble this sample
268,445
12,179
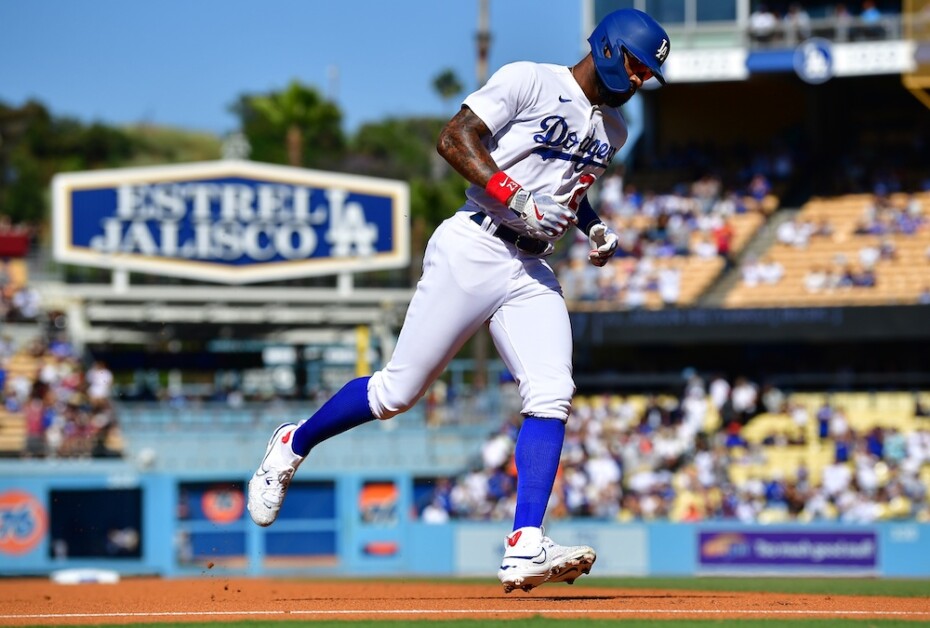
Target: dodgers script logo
560,142
23,522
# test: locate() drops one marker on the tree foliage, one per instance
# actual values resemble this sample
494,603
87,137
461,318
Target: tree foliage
35,145
294,125
447,84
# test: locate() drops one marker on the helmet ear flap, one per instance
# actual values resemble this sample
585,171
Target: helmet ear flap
608,60
632,32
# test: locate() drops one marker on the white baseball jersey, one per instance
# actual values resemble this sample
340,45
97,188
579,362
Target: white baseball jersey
545,133
546,136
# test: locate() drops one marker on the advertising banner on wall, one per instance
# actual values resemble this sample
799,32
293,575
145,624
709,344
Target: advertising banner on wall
23,522
791,550
230,221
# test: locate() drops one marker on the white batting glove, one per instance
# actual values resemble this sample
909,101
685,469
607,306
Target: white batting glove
546,218
604,243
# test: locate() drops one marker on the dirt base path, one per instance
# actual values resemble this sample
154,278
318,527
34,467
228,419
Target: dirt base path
212,598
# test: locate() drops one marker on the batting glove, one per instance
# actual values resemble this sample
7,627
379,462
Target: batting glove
604,243
546,218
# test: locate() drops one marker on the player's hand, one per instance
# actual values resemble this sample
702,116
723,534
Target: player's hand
547,219
604,243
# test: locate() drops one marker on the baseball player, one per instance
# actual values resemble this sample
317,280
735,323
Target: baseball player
531,142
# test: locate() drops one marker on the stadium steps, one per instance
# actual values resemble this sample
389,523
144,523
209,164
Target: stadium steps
12,434
757,245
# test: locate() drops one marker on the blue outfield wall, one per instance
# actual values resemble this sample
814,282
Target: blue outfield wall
90,515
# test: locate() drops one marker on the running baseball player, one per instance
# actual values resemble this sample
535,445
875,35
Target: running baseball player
531,142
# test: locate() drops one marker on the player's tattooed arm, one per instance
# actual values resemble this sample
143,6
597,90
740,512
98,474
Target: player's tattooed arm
461,144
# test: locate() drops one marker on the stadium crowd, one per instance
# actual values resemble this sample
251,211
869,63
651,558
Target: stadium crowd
65,404
691,221
658,460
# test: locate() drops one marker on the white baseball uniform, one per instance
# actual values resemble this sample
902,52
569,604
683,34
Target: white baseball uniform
546,136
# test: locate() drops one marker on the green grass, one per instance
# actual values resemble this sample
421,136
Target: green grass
817,586
797,584
542,622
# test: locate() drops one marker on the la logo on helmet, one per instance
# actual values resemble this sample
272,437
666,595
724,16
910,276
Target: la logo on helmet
662,52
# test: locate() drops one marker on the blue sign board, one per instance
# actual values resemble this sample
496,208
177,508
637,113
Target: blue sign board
789,549
230,221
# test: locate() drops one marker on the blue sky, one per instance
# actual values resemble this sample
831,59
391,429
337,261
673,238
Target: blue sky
182,63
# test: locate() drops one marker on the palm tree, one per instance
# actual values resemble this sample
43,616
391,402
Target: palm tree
305,117
447,85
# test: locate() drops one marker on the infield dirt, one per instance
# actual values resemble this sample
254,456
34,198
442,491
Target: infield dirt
212,597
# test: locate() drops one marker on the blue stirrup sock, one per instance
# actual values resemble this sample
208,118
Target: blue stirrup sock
537,454
346,409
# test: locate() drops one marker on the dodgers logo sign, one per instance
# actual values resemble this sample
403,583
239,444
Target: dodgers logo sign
230,221
813,61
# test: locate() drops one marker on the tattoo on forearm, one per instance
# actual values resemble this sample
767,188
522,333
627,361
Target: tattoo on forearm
460,144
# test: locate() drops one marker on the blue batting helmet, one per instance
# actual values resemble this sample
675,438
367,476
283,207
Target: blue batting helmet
635,33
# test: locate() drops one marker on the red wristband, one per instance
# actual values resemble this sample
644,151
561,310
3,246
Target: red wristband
502,187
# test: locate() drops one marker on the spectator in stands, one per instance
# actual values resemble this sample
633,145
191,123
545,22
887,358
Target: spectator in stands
870,20
869,256
669,286
824,228
824,417
865,278
745,398
758,189
635,289
793,233
836,478
99,381
706,190
610,195
770,271
921,409
7,348
577,280
800,417
705,248
773,399
895,446
887,250
815,280
750,272
723,237
35,414
763,25
797,24
25,305
839,424
842,21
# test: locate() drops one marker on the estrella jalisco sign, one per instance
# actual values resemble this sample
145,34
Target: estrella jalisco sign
230,221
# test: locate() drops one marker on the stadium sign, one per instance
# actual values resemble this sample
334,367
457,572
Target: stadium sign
23,522
813,550
230,221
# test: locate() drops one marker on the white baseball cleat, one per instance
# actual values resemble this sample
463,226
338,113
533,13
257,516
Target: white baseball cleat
531,559
269,483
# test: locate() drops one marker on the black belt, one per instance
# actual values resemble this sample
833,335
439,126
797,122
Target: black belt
523,242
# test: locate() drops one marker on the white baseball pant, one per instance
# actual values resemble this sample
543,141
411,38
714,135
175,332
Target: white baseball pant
470,276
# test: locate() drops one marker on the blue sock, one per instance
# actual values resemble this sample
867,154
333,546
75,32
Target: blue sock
346,409
537,453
